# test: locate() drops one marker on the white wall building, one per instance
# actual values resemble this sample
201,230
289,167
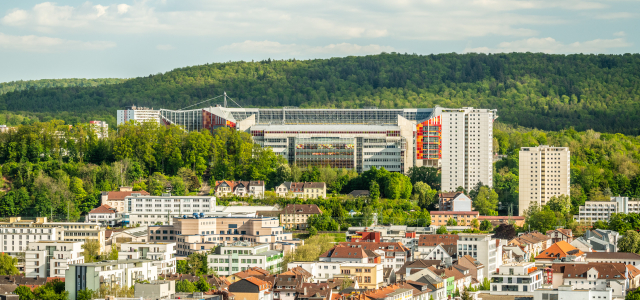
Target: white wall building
138,114
51,258
516,277
321,270
544,172
568,292
101,128
244,255
15,238
163,255
467,147
149,210
105,215
124,273
481,247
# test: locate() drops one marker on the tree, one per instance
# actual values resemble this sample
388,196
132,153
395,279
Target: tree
91,250
202,285
560,204
630,242
486,285
374,190
631,295
424,194
185,286
113,255
182,267
8,265
452,222
367,216
505,232
442,230
475,223
313,231
486,225
85,295
486,202
600,225
346,283
24,292
539,218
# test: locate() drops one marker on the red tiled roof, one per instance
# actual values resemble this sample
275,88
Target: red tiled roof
500,218
103,209
342,251
435,239
261,284
453,212
306,209
559,250
397,246
121,195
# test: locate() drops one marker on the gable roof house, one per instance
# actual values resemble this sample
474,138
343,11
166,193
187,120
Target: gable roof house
558,252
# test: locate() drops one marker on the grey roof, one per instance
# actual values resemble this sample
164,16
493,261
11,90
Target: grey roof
612,255
320,127
515,250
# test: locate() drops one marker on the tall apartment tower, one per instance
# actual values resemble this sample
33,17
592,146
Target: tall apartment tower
138,114
544,173
467,147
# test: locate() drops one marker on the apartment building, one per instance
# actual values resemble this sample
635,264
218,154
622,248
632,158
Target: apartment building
116,199
544,173
625,205
295,216
481,247
149,210
105,215
455,201
467,147
137,114
463,218
306,190
592,276
252,288
20,232
228,188
197,234
593,211
531,243
240,256
392,292
51,258
124,273
342,253
559,251
560,234
322,271
626,258
101,128
571,292
368,275
393,254
516,277
162,255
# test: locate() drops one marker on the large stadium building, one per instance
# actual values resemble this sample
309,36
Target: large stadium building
459,140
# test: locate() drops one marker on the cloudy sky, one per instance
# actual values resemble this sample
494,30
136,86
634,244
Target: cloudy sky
123,38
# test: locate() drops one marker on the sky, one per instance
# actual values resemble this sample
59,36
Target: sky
125,39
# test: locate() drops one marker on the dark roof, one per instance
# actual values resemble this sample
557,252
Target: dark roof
605,270
121,195
612,255
453,212
268,213
397,246
359,193
418,264
435,239
345,252
314,185
301,209
449,195
103,209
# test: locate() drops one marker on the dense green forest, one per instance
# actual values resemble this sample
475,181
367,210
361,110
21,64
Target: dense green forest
548,92
21,85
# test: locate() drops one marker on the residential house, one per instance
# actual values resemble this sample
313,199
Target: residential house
90,276
458,281
516,277
128,235
158,289
392,292
532,243
582,244
322,271
420,290
395,253
482,247
359,193
498,220
389,276
116,199
342,253
476,268
511,254
368,275
252,288
438,253
634,277
162,255
462,218
295,216
414,266
314,291
314,190
602,240
449,280
251,272
560,234
286,286
594,276
105,215
228,188
241,256
436,284
428,242
456,201
290,189
51,258
559,251
571,292
626,258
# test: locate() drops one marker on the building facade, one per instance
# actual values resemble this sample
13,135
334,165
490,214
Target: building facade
241,256
162,255
101,128
545,172
115,199
105,215
368,275
482,247
149,210
516,277
228,188
90,276
137,114
462,218
295,216
457,201
51,258
305,190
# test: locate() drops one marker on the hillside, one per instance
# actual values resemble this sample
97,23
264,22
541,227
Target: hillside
20,85
550,92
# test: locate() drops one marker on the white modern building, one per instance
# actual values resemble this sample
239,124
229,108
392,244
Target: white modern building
101,128
15,238
163,255
482,247
122,273
137,114
240,256
151,210
544,172
593,211
321,270
516,277
566,292
467,147
51,258
105,215
625,205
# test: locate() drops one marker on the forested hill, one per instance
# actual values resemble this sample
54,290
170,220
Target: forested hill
20,85
551,92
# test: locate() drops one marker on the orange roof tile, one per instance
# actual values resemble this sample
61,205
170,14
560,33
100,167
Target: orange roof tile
559,250
261,284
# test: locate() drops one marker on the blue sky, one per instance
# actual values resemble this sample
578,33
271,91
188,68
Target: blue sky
105,38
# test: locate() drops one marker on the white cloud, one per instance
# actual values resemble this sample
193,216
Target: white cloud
620,33
550,45
270,47
43,44
615,16
166,47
